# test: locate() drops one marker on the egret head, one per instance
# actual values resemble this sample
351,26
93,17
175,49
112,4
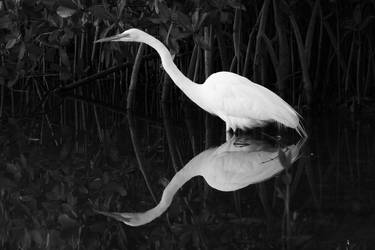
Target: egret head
130,35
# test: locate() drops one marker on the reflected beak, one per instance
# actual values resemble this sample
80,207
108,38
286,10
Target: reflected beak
112,38
114,215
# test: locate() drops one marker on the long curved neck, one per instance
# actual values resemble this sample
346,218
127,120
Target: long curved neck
178,180
185,84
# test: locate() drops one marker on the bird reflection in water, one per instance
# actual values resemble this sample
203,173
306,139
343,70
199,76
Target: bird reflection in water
237,163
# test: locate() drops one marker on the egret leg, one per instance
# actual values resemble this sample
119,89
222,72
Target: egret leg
227,132
274,138
228,135
227,128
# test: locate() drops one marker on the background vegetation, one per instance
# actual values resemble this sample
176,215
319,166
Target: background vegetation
310,52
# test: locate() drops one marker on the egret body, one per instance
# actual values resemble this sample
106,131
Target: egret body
239,102
226,168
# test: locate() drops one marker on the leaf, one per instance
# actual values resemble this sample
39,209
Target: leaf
65,12
13,81
23,161
163,181
115,187
34,52
155,20
21,52
182,19
174,48
65,75
55,239
105,177
48,4
10,43
5,183
37,237
366,22
122,7
285,159
72,201
14,169
26,242
68,3
195,18
164,12
98,227
5,22
201,20
181,35
108,59
224,17
284,8
65,150
247,221
100,12
66,221
53,20
106,30
68,35
236,5
50,206
287,178
83,190
280,193
95,184
202,43
155,6
357,14
64,57
26,198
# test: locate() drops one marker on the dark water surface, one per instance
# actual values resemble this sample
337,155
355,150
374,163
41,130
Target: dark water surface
53,175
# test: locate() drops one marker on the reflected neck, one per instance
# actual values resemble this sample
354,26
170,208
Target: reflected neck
180,178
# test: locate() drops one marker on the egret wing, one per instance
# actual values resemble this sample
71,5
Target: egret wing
236,96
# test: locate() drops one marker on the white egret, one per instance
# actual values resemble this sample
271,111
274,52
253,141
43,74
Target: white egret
239,102
228,167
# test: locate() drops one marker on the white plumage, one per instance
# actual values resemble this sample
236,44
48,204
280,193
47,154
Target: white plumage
244,104
235,99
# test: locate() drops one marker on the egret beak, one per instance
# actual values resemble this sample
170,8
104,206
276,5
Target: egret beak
112,38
